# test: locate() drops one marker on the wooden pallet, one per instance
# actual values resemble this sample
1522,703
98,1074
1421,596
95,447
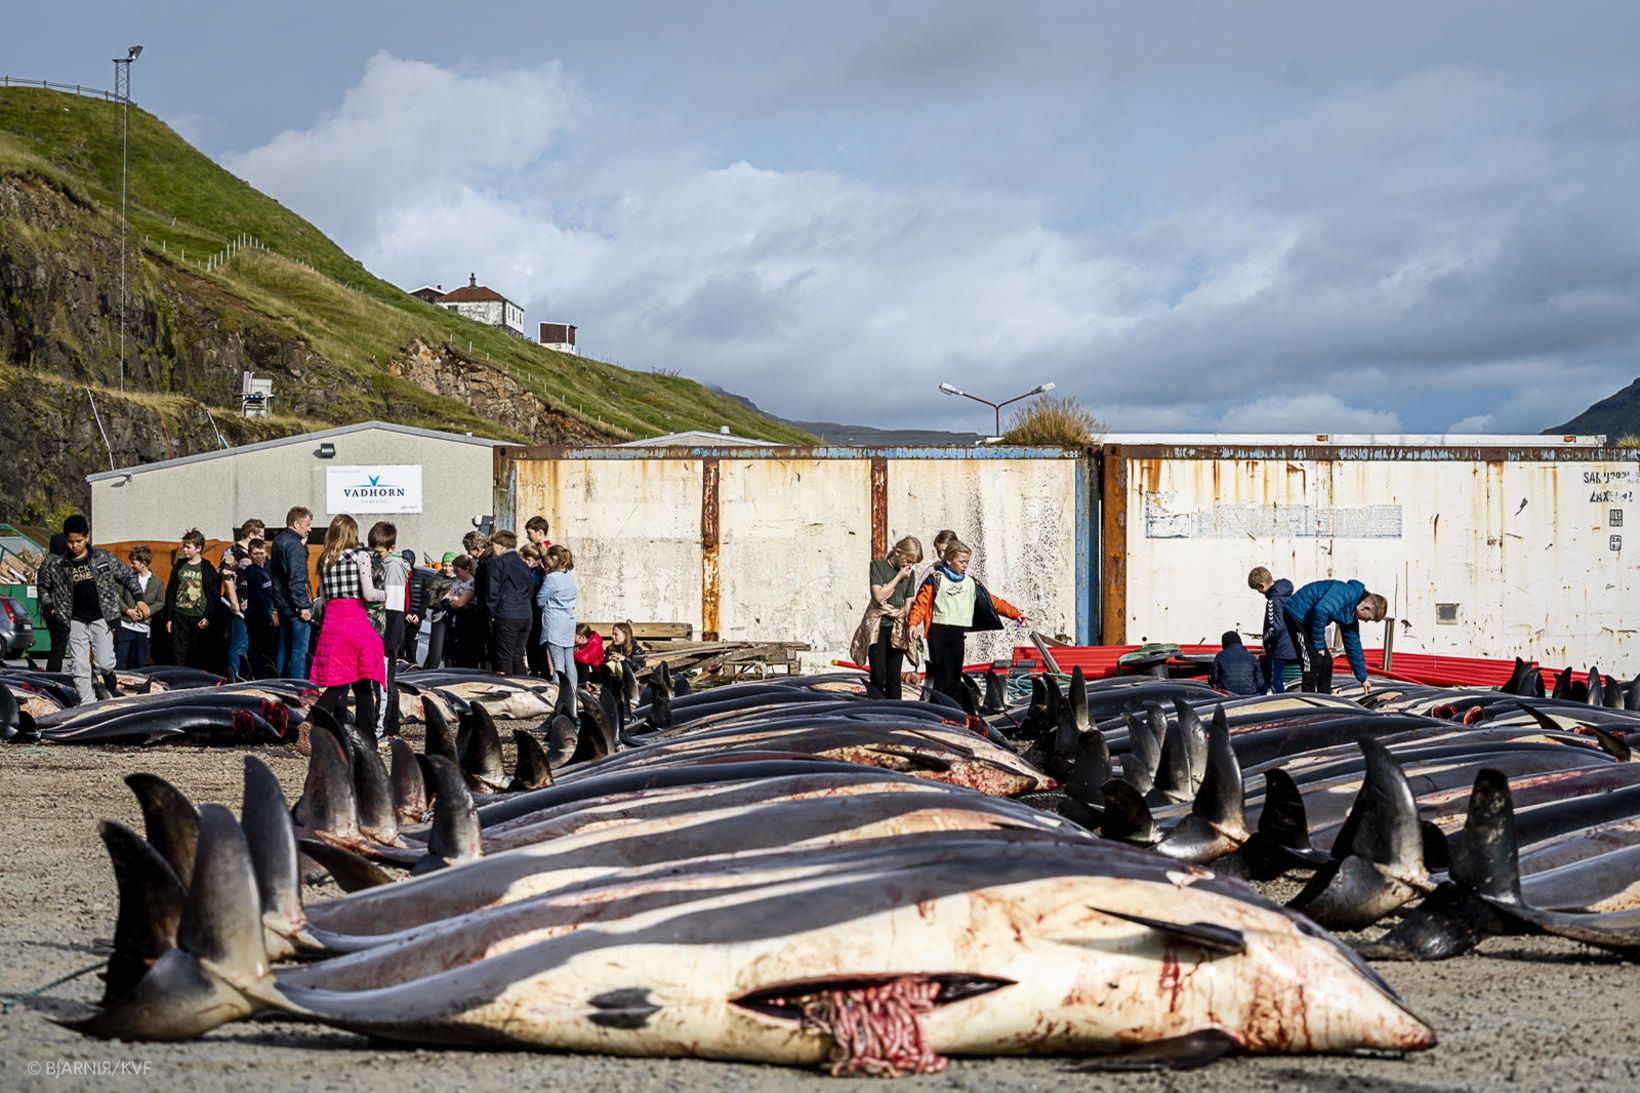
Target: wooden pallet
651,631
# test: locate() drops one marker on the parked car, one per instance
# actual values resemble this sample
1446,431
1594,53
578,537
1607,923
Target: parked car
16,629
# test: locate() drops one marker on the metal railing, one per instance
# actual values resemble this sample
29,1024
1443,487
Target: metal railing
73,89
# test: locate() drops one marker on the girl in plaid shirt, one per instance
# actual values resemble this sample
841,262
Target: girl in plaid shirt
349,651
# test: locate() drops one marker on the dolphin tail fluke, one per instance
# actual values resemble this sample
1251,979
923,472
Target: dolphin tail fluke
151,901
327,804
1282,839
1217,824
372,789
271,839
1486,853
439,740
1079,699
1384,865
996,693
1144,754
219,970
1090,769
1127,817
532,771
481,752
455,832
563,739
409,787
170,821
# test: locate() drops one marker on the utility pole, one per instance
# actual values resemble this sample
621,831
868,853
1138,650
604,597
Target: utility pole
122,92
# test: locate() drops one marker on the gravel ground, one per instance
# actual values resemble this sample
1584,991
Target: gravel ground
1522,1014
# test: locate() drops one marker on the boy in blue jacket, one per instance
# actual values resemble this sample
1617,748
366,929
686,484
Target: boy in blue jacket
1234,669
1311,608
1278,644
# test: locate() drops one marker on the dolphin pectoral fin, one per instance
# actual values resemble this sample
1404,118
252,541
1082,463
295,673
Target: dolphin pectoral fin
1207,935
1617,931
352,872
1188,1052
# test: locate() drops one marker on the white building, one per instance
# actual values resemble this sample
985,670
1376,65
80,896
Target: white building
484,305
431,485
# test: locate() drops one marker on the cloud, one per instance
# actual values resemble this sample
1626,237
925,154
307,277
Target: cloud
1306,414
1441,247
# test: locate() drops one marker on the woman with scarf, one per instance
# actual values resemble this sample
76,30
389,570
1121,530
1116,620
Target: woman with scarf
883,640
950,604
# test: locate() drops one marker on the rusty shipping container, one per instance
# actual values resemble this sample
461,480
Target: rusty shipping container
774,543
1481,550
1491,552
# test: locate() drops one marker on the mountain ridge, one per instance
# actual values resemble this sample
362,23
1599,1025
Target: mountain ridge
1617,415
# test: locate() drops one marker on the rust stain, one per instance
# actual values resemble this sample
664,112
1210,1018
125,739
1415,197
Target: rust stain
1113,594
879,507
709,590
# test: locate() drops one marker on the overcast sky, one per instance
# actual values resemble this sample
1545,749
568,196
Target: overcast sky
1191,215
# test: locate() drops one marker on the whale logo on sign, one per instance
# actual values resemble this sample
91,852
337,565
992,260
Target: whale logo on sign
374,489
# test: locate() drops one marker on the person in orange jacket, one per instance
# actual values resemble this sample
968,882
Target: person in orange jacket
948,605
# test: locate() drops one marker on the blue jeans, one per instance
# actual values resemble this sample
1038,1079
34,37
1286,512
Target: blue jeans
239,646
1275,669
293,647
563,661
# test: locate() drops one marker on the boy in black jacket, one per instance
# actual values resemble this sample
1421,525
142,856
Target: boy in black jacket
509,599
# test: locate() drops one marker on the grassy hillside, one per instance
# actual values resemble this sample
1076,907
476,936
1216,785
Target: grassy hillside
184,208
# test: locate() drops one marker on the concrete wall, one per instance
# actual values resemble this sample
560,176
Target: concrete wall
1539,557
1018,516
634,527
794,535
216,494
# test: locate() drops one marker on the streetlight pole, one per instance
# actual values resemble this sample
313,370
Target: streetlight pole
122,92
996,407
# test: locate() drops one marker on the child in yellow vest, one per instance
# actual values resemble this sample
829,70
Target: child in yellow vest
950,604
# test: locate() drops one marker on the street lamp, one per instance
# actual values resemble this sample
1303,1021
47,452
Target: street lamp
122,92
952,389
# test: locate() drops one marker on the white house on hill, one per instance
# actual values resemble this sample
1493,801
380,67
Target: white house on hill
484,305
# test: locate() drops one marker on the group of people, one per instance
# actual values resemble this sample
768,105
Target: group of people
933,607
253,613
1295,632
